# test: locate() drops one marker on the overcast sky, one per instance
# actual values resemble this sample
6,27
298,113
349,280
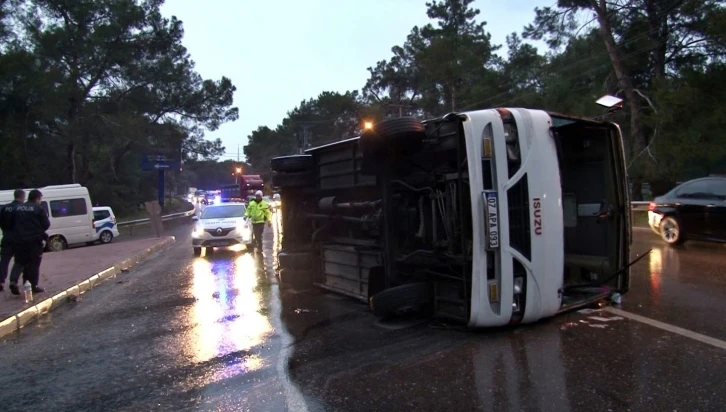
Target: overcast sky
278,53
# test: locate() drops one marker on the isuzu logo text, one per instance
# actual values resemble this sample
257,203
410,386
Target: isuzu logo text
537,206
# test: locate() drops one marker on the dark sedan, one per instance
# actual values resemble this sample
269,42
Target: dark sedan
694,210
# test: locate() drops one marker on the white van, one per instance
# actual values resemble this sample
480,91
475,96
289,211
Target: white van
70,212
104,221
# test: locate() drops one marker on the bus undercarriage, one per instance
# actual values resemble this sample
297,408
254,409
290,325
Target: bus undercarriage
392,219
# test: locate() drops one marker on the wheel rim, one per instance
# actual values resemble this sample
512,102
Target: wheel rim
56,245
670,231
105,237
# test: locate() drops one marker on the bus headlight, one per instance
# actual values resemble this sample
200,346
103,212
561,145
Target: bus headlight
511,139
518,283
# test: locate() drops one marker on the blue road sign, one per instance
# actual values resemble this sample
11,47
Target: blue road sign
161,163
151,162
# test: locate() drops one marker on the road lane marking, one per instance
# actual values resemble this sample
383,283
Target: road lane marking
668,327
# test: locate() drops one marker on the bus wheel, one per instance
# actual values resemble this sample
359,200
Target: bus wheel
400,134
401,300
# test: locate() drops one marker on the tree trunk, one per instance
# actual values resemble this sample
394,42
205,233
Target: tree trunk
453,99
70,133
71,161
626,84
658,34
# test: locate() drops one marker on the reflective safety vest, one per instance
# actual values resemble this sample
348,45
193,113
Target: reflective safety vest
259,212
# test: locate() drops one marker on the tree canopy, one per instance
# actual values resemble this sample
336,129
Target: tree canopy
88,86
665,58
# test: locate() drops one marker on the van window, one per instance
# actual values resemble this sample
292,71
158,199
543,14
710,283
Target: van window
101,214
44,205
68,207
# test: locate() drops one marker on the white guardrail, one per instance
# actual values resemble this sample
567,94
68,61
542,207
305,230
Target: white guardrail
139,222
641,206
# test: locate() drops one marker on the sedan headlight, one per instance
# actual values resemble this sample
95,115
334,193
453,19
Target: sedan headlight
244,229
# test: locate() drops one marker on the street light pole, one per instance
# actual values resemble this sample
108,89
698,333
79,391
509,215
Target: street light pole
238,173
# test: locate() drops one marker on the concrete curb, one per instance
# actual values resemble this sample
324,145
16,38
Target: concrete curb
17,321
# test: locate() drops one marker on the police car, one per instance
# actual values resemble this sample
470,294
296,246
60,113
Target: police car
221,225
104,224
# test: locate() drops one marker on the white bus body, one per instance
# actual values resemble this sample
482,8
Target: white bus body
494,217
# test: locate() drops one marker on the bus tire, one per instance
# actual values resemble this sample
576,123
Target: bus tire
403,299
292,180
290,260
295,163
401,129
296,279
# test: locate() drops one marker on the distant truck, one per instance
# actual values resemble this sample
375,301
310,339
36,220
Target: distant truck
486,218
242,191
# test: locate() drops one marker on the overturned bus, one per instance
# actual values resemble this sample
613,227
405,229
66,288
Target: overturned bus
486,218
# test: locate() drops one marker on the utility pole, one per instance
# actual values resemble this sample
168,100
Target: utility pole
400,108
305,137
237,168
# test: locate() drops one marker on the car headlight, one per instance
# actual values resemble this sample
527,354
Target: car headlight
244,229
197,231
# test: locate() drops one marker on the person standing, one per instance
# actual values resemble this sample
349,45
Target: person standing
7,220
31,222
258,211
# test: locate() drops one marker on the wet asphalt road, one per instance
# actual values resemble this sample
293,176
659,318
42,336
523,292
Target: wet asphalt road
216,333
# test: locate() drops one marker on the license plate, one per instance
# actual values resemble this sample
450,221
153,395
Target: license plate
218,243
492,218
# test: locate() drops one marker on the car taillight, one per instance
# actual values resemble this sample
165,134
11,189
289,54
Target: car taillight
651,206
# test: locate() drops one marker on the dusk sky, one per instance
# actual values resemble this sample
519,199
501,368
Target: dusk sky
280,53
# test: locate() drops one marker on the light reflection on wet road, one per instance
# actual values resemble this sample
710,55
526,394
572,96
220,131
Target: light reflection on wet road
227,312
684,286
215,333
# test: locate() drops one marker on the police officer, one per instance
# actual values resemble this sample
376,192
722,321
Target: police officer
7,219
258,211
31,222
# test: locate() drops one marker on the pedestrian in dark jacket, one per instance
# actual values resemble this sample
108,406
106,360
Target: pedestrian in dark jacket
31,222
7,221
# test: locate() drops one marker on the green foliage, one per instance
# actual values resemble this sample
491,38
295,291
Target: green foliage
330,117
87,86
664,58
209,174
